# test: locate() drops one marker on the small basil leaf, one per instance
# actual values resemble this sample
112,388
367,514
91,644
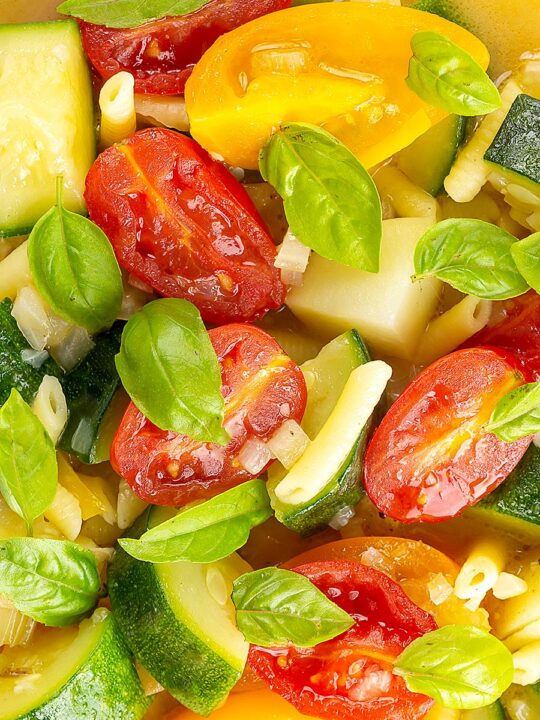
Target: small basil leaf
74,267
28,469
55,582
128,13
169,368
447,77
206,532
459,666
471,255
517,414
277,607
526,254
331,202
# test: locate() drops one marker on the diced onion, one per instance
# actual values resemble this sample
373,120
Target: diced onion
129,506
32,317
509,586
292,278
439,589
288,443
292,254
134,281
536,439
74,347
35,358
254,456
342,517
149,684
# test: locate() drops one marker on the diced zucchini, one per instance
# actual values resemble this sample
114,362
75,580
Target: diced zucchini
75,673
46,121
387,308
427,161
522,702
179,621
491,712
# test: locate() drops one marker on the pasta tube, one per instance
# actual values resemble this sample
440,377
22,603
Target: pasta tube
407,199
50,407
164,111
14,272
527,664
65,513
481,570
117,104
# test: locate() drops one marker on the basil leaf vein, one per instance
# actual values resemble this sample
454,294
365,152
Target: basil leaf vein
28,468
331,202
445,76
460,666
74,267
55,582
128,13
471,255
276,607
170,370
526,254
207,532
517,414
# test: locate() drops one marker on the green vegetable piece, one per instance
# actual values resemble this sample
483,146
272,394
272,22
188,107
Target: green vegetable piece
459,666
517,414
526,254
127,13
447,77
276,607
169,368
74,267
55,582
28,469
331,202
471,255
206,532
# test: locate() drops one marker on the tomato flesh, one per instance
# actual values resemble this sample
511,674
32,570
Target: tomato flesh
350,677
262,388
180,222
516,327
430,458
161,54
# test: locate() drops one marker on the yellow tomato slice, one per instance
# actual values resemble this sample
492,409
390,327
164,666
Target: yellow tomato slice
260,704
339,65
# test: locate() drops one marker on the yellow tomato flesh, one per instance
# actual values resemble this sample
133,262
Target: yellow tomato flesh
261,704
339,65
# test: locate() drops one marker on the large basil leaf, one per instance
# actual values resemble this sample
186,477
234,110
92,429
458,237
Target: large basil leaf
28,469
277,607
471,255
526,254
207,532
445,76
53,581
169,368
459,666
74,267
517,414
331,202
128,13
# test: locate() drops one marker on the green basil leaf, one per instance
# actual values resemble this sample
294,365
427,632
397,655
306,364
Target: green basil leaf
55,582
28,469
471,255
447,77
331,202
206,532
277,607
128,13
459,666
526,254
169,368
517,414
74,267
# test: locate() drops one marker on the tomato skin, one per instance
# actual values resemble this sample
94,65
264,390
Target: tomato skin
161,54
262,388
180,222
517,329
318,681
406,475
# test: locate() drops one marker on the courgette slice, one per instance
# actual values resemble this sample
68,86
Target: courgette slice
179,621
495,711
522,702
427,161
47,123
75,673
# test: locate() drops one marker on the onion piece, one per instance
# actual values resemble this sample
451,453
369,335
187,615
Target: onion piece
292,254
254,456
439,589
342,517
509,586
289,443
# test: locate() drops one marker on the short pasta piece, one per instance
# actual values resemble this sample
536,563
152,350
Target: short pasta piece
163,111
407,199
50,407
129,506
90,504
105,494
65,513
14,272
117,104
508,586
481,571
527,664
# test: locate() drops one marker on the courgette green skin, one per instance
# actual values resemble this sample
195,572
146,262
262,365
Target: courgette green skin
106,687
89,390
491,712
188,669
516,147
442,8
14,371
522,701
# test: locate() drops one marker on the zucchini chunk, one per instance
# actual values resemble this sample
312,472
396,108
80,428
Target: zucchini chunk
522,702
179,621
75,673
490,712
46,121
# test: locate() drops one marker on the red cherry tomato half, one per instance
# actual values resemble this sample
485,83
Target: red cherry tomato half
161,54
180,222
350,677
515,326
262,388
430,457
